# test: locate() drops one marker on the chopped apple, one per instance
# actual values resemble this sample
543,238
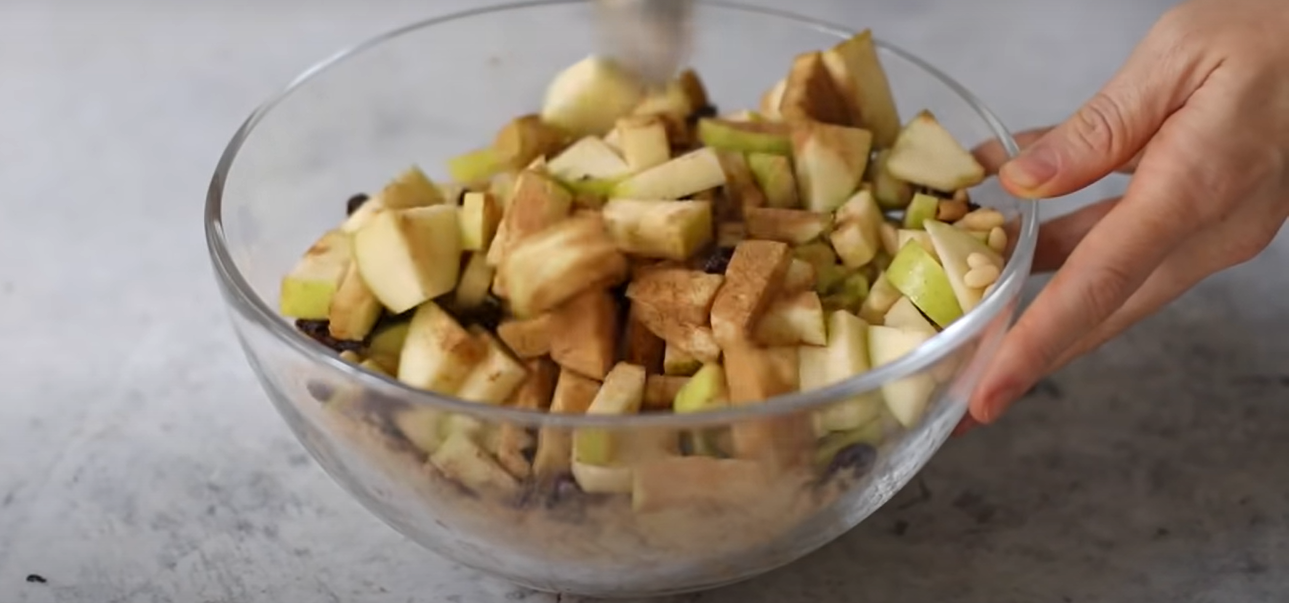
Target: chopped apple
706,390
589,96
588,159
387,344
525,139
308,289
905,236
772,99
891,192
421,426
792,320
674,103
919,277
460,459
643,140
690,173
480,214
438,353
730,234
927,154
741,190
954,246
830,161
794,226
537,203
534,394
775,177
755,269
696,341
906,398
801,276
528,338
746,137
599,479
853,245
621,393
862,209
573,395
882,296
755,374
642,346
550,267
410,256
661,391
905,316
676,362
922,208
859,77
354,309
475,168
811,95
495,377
584,333
410,189
686,295
476,280
697,482
659,229
845,356
849,294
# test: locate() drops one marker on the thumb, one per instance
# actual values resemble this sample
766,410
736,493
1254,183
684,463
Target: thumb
1111,128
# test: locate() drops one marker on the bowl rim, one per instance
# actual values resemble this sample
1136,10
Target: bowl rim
243,298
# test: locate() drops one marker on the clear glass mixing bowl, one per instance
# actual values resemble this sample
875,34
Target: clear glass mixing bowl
431,90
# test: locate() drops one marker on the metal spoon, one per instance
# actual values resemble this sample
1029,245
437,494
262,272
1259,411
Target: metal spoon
652,38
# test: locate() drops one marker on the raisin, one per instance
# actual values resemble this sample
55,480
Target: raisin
564,489
708,110
859,458
718,261
318,330
320,391
36,579
355,202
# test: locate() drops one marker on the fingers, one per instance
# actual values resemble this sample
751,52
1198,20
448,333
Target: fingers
993,156
1058,238
1111,128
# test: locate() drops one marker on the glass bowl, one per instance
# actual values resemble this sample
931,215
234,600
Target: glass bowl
434,89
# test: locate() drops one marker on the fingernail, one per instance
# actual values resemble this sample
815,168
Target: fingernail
1032,169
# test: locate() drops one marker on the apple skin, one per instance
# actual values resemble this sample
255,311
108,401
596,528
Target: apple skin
916,274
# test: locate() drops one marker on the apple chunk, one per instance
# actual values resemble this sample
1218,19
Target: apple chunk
573,395
407,257
461,459
480,214
686,295
354,309
697,482
475,168
858,74
584,333
792,226
589,96
690,173
775,176
410,189
524,139
529,338
927,154
438,353
811,95
906,398
954,246
746,137
916,274
552,266
672,230
621,393
536,203
830,162
476,279
308,289
588,159
754,271
495,377
793,320
661,391
845,356
643,140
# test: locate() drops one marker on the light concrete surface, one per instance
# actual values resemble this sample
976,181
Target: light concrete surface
140,462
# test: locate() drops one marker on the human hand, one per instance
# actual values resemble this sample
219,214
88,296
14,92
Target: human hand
1200,116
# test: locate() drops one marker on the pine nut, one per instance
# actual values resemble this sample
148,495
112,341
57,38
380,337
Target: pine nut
976,260
998,239
951,211
984,219
979,278
962,195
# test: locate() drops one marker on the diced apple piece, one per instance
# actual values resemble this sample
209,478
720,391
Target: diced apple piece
526,138
671,230
387,344
849,294
537,203
859,77
621,393
917,237
476,280
882,296
794,226
775,176
550,267
801,276
845,356
811,95
696,341
528,338
584,333
906,317
494,378
853,245
862,209
661,391
746,137
927,154
675,362
697,482
755,374
412,188
479,216
354,309
462,460
534,394
891,192
476,167
830,162
573,395
410,256
906,398
438,353
919,277
642,346
588,159
741,190
674,103
599,479
589,96
792,320
730,234
954,246
690,173
308,289
421,426
922,208
643,140
754,271
686,295
772,99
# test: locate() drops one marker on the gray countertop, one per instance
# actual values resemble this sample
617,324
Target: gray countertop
140,462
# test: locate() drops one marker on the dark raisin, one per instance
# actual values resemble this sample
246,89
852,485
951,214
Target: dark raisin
318,330
564,489
355,202
859,458
718,261
320,391
488,315
36,579
708,110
